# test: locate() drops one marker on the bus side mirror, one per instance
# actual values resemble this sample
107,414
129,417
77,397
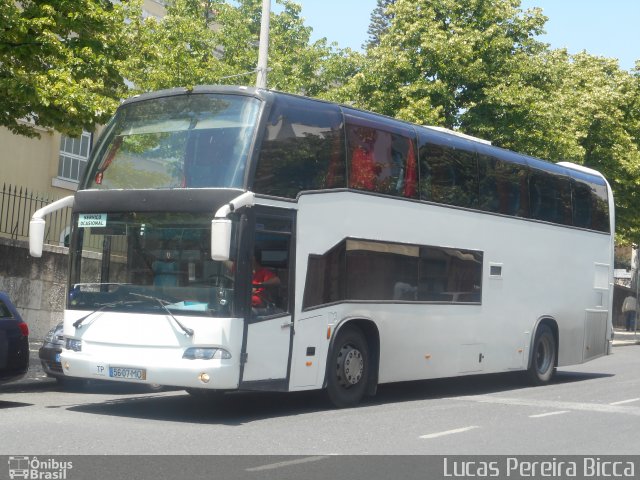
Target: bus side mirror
220,239
36,236
37,224
221,226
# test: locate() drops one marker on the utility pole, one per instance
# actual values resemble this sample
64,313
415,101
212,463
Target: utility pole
635,260
263,49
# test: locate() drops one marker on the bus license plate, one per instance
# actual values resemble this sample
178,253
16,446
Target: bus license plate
128,373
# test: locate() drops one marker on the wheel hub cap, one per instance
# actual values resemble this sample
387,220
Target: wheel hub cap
350,366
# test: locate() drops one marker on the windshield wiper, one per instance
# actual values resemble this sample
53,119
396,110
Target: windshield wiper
78,323
187,331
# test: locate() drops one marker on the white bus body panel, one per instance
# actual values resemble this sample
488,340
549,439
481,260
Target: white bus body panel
267,349
547,271
154,343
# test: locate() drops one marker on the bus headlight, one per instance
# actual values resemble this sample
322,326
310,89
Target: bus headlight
207,353
73,344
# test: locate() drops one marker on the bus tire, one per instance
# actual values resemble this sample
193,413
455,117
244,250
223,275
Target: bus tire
543,358
348,368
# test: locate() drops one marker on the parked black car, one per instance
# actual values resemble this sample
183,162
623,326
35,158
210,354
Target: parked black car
49,353
14,342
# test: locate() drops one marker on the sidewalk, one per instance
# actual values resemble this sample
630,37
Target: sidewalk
622,337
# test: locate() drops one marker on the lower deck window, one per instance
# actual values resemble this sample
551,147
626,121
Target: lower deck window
363,270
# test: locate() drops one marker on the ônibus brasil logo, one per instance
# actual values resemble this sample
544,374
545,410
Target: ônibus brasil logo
38,469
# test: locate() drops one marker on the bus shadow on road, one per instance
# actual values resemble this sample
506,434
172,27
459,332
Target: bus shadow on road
469,385
238,408
4,404
233,409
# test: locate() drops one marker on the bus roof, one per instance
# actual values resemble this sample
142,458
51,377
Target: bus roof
459,139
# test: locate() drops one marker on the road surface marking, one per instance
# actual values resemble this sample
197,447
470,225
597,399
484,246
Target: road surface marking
625,401
287,463
449,432
540,415
551,404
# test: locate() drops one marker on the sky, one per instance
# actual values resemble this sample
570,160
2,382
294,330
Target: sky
607,28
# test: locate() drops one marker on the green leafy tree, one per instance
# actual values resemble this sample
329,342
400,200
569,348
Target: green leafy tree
579,108
213,42
379,23
180,49
436,57
607,114
58,63
476,65
293,61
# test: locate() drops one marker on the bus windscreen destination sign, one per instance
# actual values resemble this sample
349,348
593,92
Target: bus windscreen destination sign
92,220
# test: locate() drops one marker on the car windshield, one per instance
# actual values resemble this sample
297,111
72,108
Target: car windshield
181,141
148,262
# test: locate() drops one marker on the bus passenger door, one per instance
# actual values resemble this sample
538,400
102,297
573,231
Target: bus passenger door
269,324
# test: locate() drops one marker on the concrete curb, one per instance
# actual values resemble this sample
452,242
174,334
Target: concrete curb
623,338
625,343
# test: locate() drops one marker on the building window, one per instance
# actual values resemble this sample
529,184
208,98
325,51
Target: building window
74,153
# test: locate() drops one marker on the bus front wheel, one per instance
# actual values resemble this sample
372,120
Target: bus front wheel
348,368
543,361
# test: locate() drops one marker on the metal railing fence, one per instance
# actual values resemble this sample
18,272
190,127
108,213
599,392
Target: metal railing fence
18,204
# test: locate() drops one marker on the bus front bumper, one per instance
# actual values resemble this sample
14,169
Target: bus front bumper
153,369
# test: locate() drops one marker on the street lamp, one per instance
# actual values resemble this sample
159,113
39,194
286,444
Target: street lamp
263,49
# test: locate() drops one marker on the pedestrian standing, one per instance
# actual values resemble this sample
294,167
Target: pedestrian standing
629,307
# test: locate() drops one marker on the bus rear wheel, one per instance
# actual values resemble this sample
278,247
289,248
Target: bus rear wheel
543,361
348,368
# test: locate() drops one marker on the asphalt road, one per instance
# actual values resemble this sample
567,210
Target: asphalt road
589,409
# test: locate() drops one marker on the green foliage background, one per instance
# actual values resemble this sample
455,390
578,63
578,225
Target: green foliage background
472,65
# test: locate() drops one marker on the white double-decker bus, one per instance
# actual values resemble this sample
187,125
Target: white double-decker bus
231,238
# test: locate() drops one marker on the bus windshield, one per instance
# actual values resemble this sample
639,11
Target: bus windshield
183,141
148,262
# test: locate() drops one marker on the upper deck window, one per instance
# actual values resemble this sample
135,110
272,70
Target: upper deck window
381,160
449,175
303,148
182,141
503,185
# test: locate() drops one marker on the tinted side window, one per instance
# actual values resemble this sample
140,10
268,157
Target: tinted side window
365,270
503,187
382,161
271,258
4,311
450,275
381,271
601,208
582,205
325,278
590,206
303,149
550,197
448,175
